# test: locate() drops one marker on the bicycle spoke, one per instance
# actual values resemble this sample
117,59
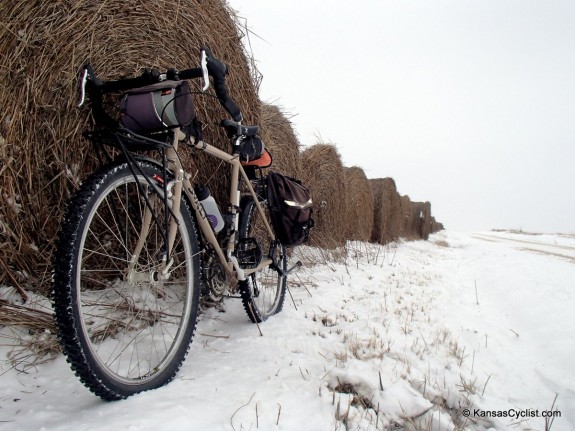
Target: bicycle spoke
135,319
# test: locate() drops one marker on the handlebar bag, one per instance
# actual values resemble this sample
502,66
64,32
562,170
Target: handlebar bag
158,107
291,209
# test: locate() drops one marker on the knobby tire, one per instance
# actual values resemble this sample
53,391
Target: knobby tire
263,293
123,332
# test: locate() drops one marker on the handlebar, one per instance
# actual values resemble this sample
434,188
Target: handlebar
210,66
218,72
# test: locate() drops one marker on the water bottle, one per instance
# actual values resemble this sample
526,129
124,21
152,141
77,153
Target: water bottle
210,207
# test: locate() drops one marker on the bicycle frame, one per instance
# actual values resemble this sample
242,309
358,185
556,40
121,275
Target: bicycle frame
182,183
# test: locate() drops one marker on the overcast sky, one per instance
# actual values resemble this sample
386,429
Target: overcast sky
468,104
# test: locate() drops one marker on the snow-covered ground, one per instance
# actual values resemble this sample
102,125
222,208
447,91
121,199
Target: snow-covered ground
453,333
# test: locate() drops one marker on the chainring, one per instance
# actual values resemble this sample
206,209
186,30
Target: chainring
216,282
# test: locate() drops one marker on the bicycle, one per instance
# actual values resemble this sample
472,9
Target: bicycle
136,248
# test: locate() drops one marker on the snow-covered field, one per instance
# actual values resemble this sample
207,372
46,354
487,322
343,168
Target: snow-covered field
464,331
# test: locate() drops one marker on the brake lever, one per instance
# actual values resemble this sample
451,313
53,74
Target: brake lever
206,76
83,87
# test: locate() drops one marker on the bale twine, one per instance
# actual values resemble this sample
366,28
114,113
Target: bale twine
279,137
323,173
42,47
359,205
386,211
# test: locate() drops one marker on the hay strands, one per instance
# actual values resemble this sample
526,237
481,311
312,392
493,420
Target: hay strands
32,319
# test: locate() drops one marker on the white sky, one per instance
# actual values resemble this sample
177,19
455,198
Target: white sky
468,104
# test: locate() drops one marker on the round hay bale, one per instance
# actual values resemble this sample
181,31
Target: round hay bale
407,230
359,205
42,47
386,210
279,137
436,226
416,214
323,173
421,219
425,223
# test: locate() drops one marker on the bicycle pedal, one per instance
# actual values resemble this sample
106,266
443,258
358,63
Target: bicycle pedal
248,253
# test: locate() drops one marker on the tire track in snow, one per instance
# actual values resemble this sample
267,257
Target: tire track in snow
534,246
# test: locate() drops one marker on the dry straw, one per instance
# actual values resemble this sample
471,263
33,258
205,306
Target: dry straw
387,217
359,205
31,318
422,222
406,218
42,47
435,225
421,219
323,173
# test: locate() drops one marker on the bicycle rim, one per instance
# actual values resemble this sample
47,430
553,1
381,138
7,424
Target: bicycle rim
263,294
133,319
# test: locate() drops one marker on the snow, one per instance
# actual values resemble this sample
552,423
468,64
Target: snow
404,335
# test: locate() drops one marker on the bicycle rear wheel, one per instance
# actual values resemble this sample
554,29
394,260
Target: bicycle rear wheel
264,292
125,320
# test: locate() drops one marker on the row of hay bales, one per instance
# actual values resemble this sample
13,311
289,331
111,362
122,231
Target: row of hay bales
395,216
43,157
347,205
350,206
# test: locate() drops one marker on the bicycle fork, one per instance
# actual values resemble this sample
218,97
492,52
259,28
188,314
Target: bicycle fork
172,193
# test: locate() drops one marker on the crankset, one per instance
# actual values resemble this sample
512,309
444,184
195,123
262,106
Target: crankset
215,279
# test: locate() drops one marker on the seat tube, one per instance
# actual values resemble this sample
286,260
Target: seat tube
176,167
234,199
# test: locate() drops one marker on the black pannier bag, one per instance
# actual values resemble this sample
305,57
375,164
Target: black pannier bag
158,107
291,208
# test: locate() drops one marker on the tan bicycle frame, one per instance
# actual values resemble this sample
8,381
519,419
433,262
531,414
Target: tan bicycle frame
182,183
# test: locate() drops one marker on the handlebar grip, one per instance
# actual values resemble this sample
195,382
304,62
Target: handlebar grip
193,73
95,86
218,71
216,68
225,100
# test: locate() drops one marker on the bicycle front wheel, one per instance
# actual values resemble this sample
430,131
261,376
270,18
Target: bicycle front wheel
263,294
125,314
